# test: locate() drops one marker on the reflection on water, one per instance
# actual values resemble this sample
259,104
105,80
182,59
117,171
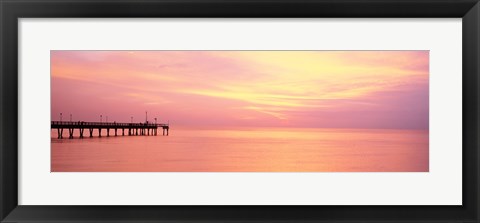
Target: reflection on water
246,150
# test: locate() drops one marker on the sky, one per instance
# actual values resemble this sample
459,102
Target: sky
312,89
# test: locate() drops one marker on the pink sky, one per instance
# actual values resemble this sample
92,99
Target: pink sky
330,89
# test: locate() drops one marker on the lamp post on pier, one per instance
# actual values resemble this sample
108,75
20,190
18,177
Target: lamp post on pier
101,118
70,117
60,116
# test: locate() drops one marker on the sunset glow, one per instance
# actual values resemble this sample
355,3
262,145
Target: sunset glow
322,89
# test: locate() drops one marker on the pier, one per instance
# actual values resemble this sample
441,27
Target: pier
129,129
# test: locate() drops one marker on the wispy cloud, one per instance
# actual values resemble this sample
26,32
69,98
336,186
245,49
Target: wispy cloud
268,88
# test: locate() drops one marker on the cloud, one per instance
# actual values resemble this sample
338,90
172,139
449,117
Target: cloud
361,89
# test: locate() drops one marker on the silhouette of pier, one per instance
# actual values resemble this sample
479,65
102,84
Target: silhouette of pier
133,129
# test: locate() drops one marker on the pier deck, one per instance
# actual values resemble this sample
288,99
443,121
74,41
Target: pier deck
133,128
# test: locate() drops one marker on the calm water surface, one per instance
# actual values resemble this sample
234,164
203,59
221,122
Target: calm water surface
245,150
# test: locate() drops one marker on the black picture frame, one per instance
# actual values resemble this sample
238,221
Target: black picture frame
12,10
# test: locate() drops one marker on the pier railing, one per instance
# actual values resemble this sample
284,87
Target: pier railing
106,124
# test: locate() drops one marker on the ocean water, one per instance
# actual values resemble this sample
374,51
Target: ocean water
245,150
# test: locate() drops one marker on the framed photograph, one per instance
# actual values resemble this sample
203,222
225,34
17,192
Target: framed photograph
228,111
